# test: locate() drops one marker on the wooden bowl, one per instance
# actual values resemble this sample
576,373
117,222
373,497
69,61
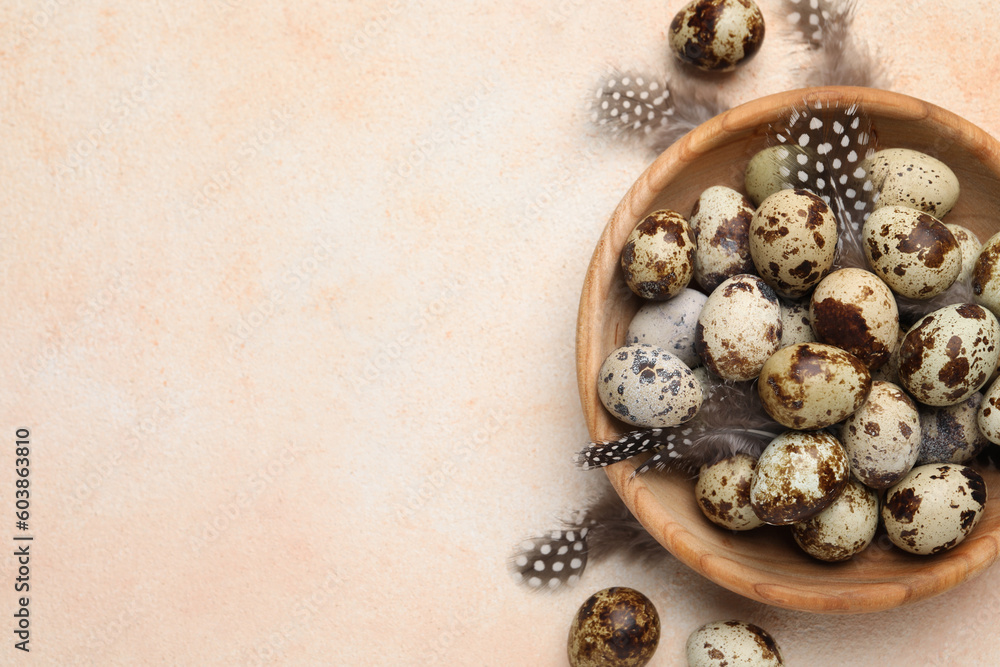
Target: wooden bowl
765,564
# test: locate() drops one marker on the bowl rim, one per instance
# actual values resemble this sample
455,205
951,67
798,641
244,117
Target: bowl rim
977,552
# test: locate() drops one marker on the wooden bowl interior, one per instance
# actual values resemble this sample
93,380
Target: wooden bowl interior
766,565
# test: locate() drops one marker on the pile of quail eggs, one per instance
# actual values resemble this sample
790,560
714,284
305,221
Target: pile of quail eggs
880,421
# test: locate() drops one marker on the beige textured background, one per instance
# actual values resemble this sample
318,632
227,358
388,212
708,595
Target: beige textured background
288,302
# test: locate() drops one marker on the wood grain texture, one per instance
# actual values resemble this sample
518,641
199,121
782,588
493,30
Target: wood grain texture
766,565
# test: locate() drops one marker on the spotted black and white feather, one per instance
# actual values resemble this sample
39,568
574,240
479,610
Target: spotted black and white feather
637,106
825,149
841,58
559,557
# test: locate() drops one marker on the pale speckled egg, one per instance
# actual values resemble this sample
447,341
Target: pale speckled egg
717,35
615,626
723,492
764,176
739,328
669,325
721,224
799,474
988,415
890,371
854,310
906,177
793,241
658,257
934,507
950,434
732,644
948,355
812,385
986,275
913,252
970,246
795,325
843,529
647,386
882,437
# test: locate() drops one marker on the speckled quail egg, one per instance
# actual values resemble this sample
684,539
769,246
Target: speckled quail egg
658,257
934,507
721,224
717,35
766,173
988,415
739,328
793,241
906,177
882,437
795,325
854,310
843,529
970,246
986,275
948,355
615,626
950,434
723,492
799,474
913,252
647,386
670,325
812,385
732,644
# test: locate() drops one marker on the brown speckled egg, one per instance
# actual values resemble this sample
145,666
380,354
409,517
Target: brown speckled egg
795,325
970,246
793,241
950,434
647,386
658,257
723,492
986,275
843,529
906,177
812,385
882,438
717,35
721,224
913,252
731,644
739,328
615,626
949,354
854,310
934,507
890,372
764,175
798,475
988,416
